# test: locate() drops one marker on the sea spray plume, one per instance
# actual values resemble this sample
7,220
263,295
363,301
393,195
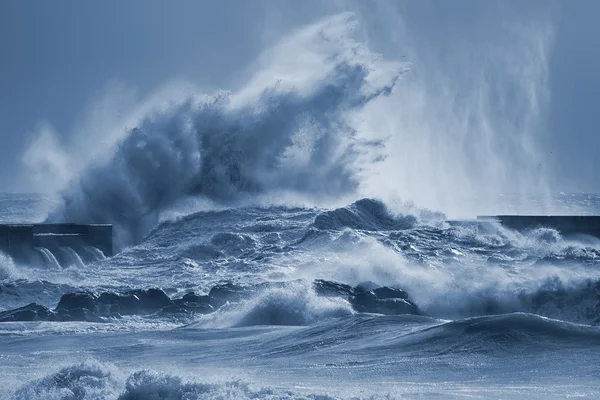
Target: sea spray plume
468,122
7,267
46,159
285,131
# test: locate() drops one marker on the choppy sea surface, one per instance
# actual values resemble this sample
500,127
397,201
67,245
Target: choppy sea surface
499,313
265,248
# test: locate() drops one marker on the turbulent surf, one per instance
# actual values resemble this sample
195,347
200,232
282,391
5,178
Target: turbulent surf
260,255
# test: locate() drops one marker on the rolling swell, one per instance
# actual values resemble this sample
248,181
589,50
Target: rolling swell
284,136
392,336
498,333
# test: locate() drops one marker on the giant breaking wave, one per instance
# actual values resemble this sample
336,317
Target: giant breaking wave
272,136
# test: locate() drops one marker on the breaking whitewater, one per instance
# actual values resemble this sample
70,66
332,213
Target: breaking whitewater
259,257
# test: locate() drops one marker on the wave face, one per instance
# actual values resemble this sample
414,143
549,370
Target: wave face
365,214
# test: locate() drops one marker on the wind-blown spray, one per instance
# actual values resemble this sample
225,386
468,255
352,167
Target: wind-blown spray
323,117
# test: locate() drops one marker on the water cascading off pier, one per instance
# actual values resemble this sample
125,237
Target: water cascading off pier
61,244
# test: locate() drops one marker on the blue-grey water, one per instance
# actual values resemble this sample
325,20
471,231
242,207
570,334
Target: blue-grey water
503,314
266,245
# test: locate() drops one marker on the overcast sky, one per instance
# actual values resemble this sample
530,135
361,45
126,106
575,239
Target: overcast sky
58,58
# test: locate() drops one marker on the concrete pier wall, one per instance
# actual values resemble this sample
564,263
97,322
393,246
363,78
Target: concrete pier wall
565,224
20,240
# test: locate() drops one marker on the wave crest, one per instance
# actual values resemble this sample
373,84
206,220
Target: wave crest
364,214
96,381
88,380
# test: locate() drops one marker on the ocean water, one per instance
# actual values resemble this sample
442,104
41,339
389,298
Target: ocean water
502,314
321,215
